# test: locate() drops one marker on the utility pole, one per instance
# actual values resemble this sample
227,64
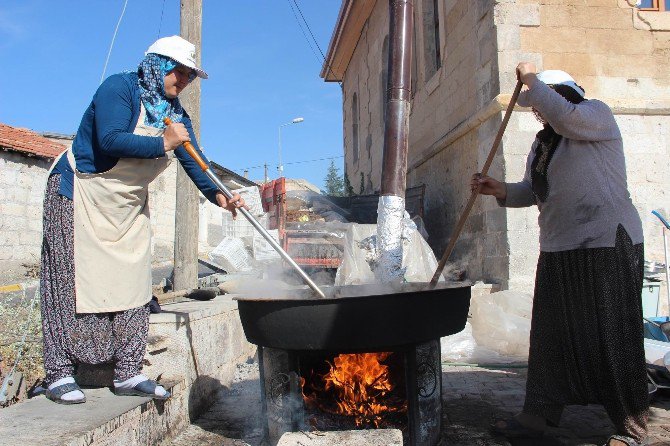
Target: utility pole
186,209
266,173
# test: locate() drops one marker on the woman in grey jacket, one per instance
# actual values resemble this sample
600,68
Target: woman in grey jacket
586,340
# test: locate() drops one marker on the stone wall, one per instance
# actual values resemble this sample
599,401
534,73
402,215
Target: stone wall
444,140
617,53
610,49
22,183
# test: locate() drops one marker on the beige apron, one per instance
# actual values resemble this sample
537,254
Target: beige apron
112,232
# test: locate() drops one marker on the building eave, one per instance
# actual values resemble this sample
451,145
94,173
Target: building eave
348,28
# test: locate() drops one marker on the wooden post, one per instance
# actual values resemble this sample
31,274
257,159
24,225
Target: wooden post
187,197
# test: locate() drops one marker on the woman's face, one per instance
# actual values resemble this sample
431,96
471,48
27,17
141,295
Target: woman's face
177,79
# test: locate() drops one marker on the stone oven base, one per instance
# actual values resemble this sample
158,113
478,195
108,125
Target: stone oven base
284,410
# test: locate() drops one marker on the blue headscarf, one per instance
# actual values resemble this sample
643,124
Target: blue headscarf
151,73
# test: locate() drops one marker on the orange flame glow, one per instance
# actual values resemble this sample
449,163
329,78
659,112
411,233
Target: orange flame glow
359,384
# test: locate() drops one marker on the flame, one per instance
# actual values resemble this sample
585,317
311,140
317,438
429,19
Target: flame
359,384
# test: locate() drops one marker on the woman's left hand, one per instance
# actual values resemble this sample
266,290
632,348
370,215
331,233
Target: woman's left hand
231,205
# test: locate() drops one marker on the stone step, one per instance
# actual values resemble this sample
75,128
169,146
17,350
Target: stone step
104,419
194,348
375,437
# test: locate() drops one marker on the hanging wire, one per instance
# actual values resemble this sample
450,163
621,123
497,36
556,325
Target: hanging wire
309,29
293,162
302,30
161,22
311,34
109,53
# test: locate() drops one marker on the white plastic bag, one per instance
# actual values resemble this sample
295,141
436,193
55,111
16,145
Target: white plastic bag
501,322
360,254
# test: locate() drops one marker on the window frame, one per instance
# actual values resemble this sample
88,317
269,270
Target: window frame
657,6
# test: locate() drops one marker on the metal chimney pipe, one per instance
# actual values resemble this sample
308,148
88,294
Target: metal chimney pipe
391,209
396,130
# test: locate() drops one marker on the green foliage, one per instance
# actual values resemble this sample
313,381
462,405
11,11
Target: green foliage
348,190
334,181
362,189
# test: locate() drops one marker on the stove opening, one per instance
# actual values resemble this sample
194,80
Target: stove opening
354,390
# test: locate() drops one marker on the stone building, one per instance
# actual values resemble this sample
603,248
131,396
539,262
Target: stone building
25,160
465,54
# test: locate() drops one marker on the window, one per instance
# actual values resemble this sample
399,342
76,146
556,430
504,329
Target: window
654,5
354,119
431,37
384,79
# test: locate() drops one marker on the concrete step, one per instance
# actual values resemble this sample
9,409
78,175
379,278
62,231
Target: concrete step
193,349
105,419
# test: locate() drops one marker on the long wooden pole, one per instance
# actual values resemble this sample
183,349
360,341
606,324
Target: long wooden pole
186,207
475,193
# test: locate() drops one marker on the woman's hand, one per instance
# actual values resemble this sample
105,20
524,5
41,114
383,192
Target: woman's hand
231,205
488,186
525,72
175,135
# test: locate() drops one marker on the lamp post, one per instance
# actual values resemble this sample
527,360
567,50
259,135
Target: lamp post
280,168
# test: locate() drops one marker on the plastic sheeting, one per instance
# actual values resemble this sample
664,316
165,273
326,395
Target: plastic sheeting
498,331
360,256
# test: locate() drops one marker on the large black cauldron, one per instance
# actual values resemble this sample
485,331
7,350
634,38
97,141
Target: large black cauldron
362,321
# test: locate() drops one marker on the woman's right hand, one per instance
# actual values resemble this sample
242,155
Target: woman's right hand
488,186
175,135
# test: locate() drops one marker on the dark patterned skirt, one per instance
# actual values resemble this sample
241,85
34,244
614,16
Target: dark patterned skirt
71,338
586,339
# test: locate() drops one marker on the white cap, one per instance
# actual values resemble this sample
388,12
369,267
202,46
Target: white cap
178,49
558,77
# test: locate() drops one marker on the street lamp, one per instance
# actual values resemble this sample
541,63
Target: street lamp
280,168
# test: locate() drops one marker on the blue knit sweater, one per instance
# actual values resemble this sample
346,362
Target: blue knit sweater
106,134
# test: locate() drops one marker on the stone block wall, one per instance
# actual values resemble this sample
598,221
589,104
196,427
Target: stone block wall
611,50
22,183
465,83
616,52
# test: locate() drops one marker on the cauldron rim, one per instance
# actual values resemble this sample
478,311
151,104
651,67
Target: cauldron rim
408,289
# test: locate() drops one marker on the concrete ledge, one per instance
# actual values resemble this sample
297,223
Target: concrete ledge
194,348
373,437
104,419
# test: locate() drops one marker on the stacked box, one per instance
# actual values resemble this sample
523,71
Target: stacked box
231,255
262,250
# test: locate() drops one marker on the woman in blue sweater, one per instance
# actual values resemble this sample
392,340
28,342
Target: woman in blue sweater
96,251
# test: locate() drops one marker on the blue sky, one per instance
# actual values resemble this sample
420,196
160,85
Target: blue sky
262,73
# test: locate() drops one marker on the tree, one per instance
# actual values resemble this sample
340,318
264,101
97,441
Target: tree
348,190
334,181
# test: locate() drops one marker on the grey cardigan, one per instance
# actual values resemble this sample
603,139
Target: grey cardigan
588,194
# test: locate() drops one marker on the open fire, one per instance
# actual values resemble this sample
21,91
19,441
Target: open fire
359,386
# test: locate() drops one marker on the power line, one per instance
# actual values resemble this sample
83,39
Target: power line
293,162
303,31
323,57
309,29
160,25
109,53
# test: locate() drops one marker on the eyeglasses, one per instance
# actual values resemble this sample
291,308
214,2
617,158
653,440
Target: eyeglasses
192,74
